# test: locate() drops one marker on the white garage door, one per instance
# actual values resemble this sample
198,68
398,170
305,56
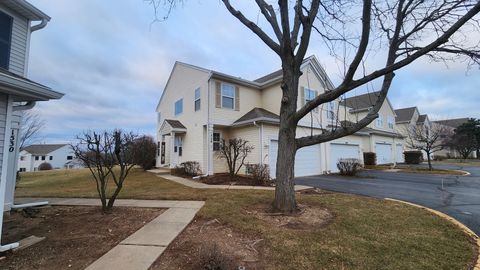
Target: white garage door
339,151
399,153
307,160
384,153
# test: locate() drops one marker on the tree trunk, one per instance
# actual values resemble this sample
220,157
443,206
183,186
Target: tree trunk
429,159
112,199
284,190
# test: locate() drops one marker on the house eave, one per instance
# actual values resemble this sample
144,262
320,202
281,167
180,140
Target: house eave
26,9
25,90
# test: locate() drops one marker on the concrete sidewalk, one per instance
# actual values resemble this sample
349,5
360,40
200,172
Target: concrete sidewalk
199,185
142,248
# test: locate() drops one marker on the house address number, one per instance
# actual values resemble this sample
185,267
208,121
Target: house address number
12,142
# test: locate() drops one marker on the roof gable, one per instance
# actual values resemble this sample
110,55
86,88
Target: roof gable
42,149
364,102
405,114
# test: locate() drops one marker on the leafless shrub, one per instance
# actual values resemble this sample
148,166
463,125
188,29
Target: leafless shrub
349,166
211,257
260,174
191,168
109,157
234,151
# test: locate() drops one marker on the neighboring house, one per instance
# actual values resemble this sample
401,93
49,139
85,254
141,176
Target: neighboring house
453,124
18,20
379,137
60,156
200,107
406,119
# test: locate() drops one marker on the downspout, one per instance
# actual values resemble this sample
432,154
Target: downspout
209,150
39,26
27,106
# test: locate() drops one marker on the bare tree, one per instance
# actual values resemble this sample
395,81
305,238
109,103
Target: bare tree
393,32
235,151
429,139
30,126
109,157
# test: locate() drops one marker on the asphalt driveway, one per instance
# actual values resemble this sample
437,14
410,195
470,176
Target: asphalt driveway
459,196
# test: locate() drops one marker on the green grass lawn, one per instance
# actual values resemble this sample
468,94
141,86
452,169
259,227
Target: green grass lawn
460,162
364,234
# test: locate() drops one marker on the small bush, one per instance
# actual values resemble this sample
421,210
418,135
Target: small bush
45,166
369,158
439,157
260,174
144,150
349,166
187,168
413,157
211,257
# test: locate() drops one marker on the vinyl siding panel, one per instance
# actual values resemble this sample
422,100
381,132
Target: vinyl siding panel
3,116
19,46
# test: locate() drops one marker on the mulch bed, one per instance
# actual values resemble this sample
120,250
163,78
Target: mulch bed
76,236
238,180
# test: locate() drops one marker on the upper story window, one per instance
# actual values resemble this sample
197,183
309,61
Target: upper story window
309,95
179,106
379,121
69,157
391,122
50,158
37,157
5,39
228,96
197,99
331,110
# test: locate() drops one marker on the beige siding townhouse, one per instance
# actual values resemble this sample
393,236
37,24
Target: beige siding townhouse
200,107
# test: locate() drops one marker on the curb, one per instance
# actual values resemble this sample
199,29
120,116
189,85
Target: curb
464,228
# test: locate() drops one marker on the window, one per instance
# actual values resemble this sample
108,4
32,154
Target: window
309,95
177,146
197,99
37,157
179,106
331,110
391,122
379,121
228,96
22,158
5,39
43,157
69,157
23,169
216,141
50,158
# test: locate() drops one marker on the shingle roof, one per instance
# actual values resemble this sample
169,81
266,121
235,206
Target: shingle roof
42,149
175,123
404,114
453,122
421,118
276,73
360,102
257,114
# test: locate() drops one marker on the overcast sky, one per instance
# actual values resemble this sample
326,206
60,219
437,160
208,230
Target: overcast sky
112,64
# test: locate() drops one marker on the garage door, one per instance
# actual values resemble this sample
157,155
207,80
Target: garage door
307,160
384,153
339,151
399,153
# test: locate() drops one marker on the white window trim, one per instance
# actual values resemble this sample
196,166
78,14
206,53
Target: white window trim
222,95
195,99
379,121
175,107
219,139
391,122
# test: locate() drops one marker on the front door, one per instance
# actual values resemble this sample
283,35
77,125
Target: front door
177,150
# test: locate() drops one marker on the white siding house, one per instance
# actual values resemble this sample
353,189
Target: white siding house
18,19
60,156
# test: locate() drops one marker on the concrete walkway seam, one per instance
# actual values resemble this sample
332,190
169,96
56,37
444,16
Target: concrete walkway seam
464,228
